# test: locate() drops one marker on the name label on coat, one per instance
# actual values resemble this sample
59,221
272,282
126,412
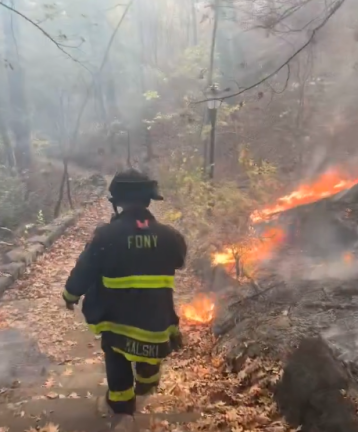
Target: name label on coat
142,350
142,241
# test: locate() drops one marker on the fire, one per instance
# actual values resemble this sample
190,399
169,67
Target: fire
253,251
348,258
199,311
328,184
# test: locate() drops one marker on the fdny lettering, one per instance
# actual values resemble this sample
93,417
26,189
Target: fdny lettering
142,350
142,241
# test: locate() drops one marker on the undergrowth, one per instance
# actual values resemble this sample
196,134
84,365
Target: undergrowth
212,216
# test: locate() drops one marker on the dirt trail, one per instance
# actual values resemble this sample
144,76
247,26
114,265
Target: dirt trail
51,367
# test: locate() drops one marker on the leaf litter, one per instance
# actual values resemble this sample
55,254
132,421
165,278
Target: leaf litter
193,379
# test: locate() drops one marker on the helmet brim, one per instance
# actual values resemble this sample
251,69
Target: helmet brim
157,197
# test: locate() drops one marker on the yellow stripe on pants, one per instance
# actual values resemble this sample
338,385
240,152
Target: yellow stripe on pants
150,380
121,396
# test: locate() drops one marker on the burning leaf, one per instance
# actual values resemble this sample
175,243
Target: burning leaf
329,183
252,252
200,310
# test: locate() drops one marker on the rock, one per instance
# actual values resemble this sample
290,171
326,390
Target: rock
41,239
55,230
310,393
18,255
5,283
26,256
14,269
97,180
281,322
18,258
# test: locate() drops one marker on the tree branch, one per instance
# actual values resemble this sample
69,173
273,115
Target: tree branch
44,32
332,11
89,89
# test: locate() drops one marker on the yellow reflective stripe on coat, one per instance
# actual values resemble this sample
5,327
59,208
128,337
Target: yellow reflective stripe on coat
133,332
150,380
139,282
121,396
137,359
70,297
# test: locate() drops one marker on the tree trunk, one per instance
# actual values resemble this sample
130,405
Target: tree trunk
19,119
194,23
9,151
213,42
147,135
64,181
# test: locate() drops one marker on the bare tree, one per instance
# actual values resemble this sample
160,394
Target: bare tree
321,21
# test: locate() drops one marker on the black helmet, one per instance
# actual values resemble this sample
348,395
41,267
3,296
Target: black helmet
133,186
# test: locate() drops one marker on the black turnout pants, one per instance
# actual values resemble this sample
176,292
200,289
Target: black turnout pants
126,380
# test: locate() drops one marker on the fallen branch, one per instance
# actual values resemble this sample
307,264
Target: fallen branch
329,305
253,297
4,243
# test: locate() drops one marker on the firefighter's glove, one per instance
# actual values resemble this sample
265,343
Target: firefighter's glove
70,306
70,300
176,341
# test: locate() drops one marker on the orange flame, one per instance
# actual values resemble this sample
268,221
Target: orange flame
328,184
348,258
254,251
199,311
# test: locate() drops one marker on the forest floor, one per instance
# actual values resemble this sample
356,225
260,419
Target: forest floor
51,367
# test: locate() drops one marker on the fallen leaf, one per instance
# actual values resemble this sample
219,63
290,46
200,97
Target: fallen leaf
50,427
231,415
103,382
49,383
52,395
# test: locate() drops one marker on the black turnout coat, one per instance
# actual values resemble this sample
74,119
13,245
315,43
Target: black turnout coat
126,275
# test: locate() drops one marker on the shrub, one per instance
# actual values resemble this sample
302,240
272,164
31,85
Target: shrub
212,217
12,198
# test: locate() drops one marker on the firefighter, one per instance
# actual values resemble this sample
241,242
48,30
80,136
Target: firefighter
126,275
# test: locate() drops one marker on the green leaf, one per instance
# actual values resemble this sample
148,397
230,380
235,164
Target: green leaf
151,94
